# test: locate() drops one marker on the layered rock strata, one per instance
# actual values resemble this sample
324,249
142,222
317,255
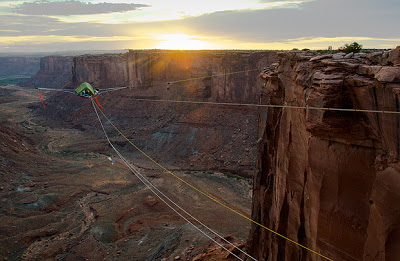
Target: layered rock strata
187,135
329,180
55,72
18,66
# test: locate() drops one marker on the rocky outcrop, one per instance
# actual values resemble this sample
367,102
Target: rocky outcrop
149,68
18,66
186,135
394,56
55,72
152,69
329,180
103,71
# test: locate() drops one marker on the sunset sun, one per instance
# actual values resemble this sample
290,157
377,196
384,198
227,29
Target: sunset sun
182,42
250,130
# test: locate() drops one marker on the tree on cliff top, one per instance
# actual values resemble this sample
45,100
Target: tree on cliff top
351,48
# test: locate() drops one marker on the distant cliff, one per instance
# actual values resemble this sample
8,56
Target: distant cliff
186,135
18,66
55,72
329,180
148,69
103,71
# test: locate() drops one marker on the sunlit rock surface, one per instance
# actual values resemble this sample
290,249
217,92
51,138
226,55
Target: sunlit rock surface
195,136
329,180
55,72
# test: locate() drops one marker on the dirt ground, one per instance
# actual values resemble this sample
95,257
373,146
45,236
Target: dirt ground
61,198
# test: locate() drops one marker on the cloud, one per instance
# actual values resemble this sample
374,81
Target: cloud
321,18
22,25
73,8
64,45
310,24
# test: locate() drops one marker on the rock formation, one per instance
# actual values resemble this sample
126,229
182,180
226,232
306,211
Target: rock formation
55,72
329,180
151,69
18,66
108,70
61,200
188,135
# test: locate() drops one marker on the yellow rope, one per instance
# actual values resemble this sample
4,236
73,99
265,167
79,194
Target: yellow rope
205,194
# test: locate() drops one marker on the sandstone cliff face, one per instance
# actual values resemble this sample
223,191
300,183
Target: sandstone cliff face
55,72
153,67
108,70
18,66
186,135
326,179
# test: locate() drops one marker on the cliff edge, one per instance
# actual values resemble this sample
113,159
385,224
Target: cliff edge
329,180
18,66
195,136
54,72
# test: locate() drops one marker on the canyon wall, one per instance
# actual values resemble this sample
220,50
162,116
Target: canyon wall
195,136
54,72
18,66
102,71
329,180
151,69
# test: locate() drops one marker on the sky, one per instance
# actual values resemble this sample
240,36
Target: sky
63,25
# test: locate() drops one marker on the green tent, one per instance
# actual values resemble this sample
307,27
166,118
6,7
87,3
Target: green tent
85,86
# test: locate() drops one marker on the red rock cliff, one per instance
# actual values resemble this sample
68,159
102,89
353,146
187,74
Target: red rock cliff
18,66
108,70
55,72
148,68
326,179
188,135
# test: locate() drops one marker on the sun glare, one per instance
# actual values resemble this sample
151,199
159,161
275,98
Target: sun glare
182,42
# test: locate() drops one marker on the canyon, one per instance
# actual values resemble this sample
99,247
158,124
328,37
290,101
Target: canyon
63,199
194,136
19,66
329,180
54,72
326,179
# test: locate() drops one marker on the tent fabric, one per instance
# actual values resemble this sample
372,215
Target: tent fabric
85,86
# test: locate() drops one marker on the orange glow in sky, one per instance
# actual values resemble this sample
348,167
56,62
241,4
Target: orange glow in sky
53,25
182,42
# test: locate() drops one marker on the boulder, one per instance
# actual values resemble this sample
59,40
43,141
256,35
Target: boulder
360,55
394,56
338,56
150,201
375,57
388,74
321,57
349,55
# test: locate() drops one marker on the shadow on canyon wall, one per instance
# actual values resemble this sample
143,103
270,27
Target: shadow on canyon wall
329,180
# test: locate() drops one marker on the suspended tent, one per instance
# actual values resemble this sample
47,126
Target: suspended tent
85,90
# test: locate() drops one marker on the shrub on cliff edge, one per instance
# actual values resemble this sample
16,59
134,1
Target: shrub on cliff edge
351,48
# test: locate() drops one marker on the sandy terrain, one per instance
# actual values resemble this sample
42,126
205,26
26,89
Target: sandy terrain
61,199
